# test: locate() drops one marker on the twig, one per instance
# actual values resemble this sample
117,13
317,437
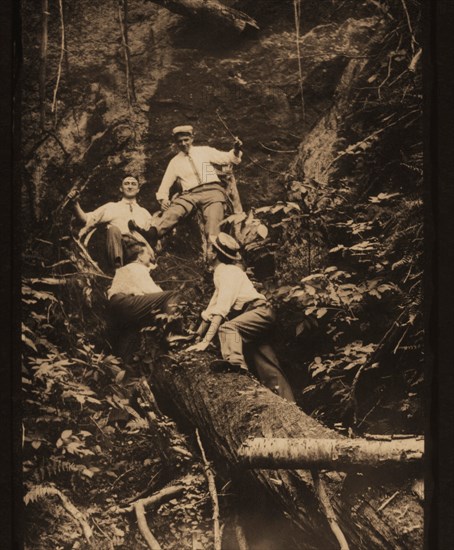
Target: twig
410,28
328,509
213,494
278,150
152,543
351,148
122,4
146,490
164,494
60,62
43,61
244,152
297,14
116,480
368,413
387,501
84,274
86,256
414,61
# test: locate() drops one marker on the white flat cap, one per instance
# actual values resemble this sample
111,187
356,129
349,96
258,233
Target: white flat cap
183,130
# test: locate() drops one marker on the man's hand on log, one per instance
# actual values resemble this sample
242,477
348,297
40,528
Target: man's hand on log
200,346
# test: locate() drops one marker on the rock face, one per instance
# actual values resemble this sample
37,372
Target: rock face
182,73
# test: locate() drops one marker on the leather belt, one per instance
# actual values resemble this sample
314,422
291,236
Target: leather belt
197,187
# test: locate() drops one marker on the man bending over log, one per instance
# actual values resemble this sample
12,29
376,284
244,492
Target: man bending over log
249,320
135,299
201,188
117,216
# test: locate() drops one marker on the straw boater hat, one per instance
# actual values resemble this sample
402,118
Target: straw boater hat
183,130
227,245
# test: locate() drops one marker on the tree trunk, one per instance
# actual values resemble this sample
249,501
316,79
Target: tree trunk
331,454
210,10
230,408
43,62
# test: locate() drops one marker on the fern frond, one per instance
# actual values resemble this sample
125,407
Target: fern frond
38,492
54,468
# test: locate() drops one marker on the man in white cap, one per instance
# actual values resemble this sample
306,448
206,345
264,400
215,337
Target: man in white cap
242,317
201,188
117,216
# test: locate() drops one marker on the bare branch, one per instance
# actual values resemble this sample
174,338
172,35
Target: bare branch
328,509
60,62
213,494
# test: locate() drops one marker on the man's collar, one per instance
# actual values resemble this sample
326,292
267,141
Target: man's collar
129,201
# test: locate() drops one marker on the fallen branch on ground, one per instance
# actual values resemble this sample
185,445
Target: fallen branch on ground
43,491
328,509
150,539
213,494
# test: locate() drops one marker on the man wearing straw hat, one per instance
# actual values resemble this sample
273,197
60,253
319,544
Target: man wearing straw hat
243,319
201,188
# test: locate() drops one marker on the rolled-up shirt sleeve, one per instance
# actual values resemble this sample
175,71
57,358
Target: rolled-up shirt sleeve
97,216
167,182
222,157
227,288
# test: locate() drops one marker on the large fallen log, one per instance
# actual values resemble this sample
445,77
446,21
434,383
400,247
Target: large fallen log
332,454
210,10
229,408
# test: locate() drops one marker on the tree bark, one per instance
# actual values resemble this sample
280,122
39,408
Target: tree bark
229,408
329,453
210,10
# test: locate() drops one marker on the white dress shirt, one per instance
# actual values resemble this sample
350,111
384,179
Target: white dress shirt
133,278
233,289
181,168
118,214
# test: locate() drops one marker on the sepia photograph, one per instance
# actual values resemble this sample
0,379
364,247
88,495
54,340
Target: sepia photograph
223,276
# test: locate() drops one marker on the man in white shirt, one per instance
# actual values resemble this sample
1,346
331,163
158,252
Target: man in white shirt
250,319
200,186
135,299
117,216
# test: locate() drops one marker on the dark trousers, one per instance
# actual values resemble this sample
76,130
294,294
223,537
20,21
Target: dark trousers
210,198
115,242
128,314
252,328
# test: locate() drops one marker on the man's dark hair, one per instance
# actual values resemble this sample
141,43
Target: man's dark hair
133,251
224,259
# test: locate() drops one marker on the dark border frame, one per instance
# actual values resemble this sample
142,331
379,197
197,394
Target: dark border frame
439,307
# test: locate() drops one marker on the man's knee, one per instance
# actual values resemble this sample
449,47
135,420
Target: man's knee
172,303
113,231
228,331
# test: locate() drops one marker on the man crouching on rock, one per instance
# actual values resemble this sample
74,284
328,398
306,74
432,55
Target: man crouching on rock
250,320
135,299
